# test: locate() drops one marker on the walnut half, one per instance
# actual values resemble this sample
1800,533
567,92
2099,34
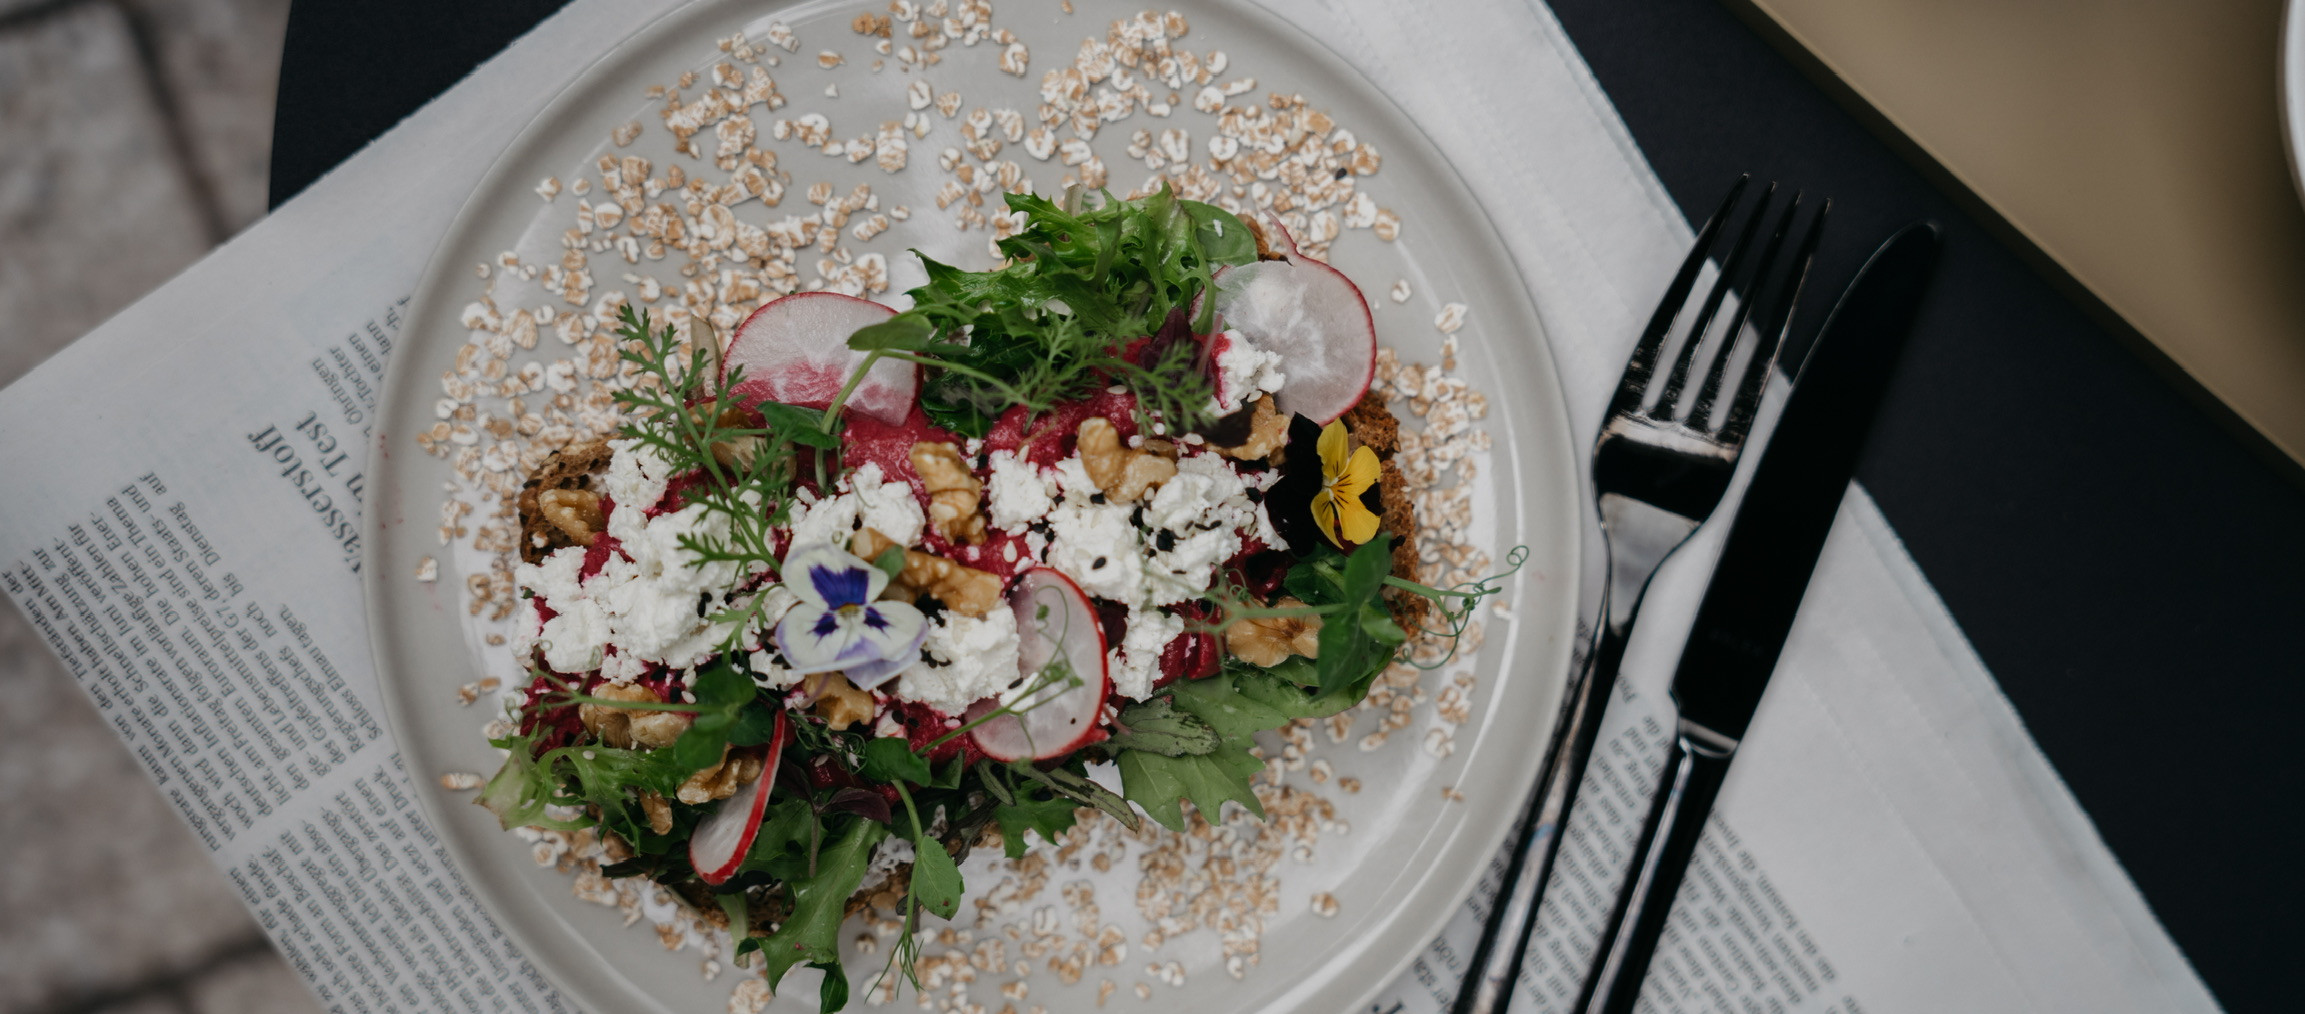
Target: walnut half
576,512
962,588
1268,431
953,492
1122,472
720,781
1269,640
625,728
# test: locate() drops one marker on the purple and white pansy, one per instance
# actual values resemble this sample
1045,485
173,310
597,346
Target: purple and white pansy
839,624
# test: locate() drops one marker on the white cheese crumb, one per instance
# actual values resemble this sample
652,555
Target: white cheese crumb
979,659
1019,493
1136,663
637,475
888,507
1099,549
1244,372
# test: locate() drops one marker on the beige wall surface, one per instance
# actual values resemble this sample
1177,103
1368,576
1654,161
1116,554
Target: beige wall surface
2137,142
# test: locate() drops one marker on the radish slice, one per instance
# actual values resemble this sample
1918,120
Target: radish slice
721,840
1277,237
1053,617
1315,319
795,350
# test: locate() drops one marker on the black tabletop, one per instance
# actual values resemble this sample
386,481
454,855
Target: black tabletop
2124,559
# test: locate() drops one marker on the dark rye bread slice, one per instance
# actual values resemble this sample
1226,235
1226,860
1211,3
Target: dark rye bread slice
571,467
1375,426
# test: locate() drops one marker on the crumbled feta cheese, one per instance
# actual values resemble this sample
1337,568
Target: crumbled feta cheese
1099,549
1189,567
830,521
969,660
1019,494
888,507
1244,372
1136,663
652,606
1072,478
637,474
575,638
770,674
621,668
868,501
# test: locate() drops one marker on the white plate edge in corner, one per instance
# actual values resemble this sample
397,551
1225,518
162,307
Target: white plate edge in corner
2290,87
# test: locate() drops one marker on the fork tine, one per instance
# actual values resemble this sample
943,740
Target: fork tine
1733,337
1700,331
1772,331
1643,362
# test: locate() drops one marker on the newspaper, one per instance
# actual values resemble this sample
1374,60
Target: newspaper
186,531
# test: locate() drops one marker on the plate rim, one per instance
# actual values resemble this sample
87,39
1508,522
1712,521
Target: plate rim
1551,644
2289,88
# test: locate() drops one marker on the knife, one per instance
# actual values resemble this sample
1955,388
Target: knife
1756,589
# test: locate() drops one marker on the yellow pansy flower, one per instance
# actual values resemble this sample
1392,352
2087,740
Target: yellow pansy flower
1337,508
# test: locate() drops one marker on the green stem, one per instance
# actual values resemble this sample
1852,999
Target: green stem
832,411
952,367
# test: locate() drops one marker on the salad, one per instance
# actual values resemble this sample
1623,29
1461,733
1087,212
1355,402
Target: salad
858,589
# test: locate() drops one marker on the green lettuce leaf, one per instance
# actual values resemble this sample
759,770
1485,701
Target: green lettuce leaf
1157,783
811,934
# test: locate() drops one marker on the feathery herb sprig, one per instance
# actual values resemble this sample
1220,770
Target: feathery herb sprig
745,456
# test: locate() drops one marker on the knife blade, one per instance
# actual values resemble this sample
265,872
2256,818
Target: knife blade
1757,586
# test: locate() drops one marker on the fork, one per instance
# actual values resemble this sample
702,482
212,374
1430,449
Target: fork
1658,473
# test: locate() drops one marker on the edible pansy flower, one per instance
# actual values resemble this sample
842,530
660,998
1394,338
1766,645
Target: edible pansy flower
1347,472
838,624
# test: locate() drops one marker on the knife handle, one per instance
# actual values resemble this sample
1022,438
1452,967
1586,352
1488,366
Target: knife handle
1694,770
1497,959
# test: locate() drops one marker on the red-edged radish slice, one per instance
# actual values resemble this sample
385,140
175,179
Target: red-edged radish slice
722,838
1315,319
1277,237
1053,618
795,350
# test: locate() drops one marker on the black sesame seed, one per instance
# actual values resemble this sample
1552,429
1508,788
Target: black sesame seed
1340,172
1098,565
1165,540
1136,517
1096,498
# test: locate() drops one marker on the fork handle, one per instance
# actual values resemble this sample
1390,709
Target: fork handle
1496,960
1694,770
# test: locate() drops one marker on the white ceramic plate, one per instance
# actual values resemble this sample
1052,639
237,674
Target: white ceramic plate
2293,89
1411,855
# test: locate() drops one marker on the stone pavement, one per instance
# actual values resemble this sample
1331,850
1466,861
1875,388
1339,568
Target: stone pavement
134,136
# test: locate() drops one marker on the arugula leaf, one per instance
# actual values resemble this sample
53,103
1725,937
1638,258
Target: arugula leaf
936,882
1050,817
811,934
1157,726
1223,238
1270,688
1358,634
800,425
1157,783
739,914
1080,789
787,823
519,791
888,759
904,332
1045,327
722,692
832,994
